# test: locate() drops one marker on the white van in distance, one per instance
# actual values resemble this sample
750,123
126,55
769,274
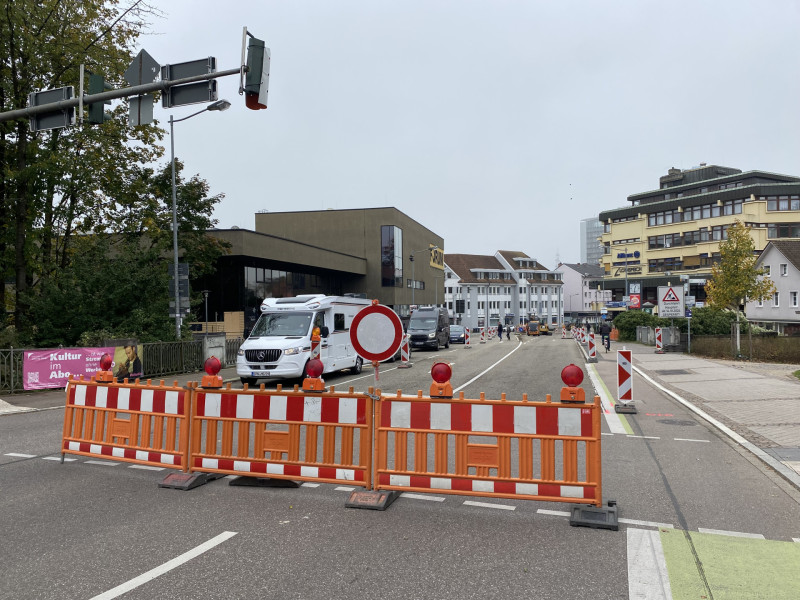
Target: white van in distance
279,346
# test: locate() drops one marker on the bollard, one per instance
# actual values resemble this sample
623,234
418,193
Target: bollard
466,339
659,341
404,353
592,349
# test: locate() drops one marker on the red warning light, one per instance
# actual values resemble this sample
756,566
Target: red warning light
212,365
105,362
314,367
572,375
441,372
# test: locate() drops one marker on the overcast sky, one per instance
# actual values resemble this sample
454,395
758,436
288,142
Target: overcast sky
495,124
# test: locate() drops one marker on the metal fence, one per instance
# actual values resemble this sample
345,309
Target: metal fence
158,360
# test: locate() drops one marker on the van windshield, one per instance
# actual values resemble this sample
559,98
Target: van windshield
282,324
422,323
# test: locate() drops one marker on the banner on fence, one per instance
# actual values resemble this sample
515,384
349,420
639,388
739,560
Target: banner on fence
45,369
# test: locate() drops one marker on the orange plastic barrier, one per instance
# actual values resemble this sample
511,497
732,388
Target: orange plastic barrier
614,334
138,423
325,437
496,448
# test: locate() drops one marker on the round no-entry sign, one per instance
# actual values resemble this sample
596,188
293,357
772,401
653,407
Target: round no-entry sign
376,333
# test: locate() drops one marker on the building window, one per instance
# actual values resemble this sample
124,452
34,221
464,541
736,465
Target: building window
767,270
782,202
391,256
784,269
776,299
793,299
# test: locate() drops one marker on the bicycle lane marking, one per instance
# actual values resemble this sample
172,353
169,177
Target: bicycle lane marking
615,422
481,374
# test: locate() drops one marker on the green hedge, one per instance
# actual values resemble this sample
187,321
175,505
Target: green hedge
705,321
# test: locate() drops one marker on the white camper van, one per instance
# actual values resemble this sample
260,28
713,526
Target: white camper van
280,343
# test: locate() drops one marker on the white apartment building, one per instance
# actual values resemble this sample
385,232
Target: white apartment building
781,312
506,287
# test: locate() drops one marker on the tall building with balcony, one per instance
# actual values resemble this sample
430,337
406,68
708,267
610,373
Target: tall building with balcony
676,230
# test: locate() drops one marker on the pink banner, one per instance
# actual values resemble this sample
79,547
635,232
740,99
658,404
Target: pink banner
45,369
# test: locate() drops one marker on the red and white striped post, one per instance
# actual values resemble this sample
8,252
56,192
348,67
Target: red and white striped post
404,353
592,349
659,341
624,383
315,340
483,335
563,333
466,338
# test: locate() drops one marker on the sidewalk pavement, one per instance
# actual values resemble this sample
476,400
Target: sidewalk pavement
755,404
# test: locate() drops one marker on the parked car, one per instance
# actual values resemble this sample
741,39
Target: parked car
457,334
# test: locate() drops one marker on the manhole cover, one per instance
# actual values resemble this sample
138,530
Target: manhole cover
675,372
675,422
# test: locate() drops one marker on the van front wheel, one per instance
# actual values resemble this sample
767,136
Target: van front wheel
249,381
358,366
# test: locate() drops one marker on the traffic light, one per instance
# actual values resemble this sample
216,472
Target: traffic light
97,85
256,83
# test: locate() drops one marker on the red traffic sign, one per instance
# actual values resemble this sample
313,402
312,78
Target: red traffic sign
376,333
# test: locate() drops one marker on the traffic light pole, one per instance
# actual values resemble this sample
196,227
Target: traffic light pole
136,90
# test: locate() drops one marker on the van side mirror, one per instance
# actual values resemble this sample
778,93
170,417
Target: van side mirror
323,331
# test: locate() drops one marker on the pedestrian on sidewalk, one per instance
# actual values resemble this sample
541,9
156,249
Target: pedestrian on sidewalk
500,332
508,331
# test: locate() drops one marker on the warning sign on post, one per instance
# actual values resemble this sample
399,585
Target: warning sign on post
670,302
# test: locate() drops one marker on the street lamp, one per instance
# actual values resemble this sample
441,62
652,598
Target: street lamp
413,276
205,300
218,105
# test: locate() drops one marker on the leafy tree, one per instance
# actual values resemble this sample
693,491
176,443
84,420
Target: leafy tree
735,279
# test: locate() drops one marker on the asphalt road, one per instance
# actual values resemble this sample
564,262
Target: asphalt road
81,529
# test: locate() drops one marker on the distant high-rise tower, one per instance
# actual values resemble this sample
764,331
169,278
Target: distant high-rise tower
591,246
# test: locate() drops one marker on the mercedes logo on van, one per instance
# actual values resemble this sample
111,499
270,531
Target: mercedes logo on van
261,355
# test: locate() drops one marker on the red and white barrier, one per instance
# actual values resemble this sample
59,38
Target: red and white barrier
315,341
405,354
483,335
624,382
592,349
659,341
466,338
563,333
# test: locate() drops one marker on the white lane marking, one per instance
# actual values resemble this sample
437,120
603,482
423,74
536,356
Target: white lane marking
18,455
645,437
166,567
344,488
422,497
796,540
554,513
690,440
487,505
59,458
755,536
479,375
787,473
105,463
612,418
146,468
647,568
647,523
308,484
604,433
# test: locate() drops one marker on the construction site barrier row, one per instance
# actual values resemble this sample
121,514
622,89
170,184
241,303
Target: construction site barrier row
549,451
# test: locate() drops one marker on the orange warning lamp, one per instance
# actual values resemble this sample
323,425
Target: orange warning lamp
572,376
314,383
211,379
104,375
441,387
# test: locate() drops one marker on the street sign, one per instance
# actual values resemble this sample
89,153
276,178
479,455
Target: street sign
55,119
690,301
635,301
688,313
634,288
670,302
189,93
376,333
143,69
140,111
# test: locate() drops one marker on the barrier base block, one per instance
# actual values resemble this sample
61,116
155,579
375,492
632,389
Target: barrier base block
407,365
626,408
263,482
596,517
371,499
187,481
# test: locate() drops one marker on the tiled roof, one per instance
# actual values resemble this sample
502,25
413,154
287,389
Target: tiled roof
790,249
462,263
511,255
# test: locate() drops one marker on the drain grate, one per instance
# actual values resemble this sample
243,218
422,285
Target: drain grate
676,422
675,372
